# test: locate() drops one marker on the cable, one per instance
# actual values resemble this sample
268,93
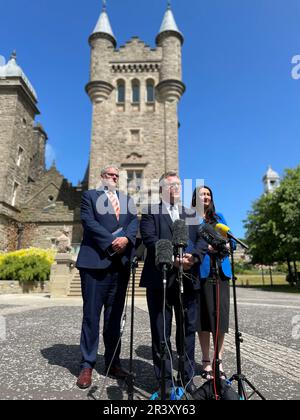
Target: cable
165,334
216,350
122,329
188,276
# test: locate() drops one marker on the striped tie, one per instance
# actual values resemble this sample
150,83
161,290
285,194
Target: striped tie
115,203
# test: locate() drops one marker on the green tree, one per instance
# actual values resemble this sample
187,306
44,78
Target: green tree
261,231
288,198
273,224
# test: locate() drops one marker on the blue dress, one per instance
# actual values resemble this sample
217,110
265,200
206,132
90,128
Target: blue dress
207,293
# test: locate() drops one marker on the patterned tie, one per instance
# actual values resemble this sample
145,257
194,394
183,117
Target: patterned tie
174,215
115,203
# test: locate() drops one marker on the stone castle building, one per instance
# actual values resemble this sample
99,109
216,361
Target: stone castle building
134,91
271,180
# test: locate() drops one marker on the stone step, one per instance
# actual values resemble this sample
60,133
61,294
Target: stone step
75,286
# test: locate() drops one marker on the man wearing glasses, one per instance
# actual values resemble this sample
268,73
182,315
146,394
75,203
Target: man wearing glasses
110,226
157,223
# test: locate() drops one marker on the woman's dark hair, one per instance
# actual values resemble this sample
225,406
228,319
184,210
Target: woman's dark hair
210,213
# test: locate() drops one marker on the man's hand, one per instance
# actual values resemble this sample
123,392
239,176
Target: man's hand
188,262
119,245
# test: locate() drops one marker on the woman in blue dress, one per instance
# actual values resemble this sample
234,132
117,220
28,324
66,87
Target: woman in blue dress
204,205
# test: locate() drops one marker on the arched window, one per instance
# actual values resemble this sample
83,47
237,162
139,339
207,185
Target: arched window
121,91
135,92
150,91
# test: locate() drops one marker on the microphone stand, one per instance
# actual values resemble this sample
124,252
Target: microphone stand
239,377
131,377
163,344
181,361
216,289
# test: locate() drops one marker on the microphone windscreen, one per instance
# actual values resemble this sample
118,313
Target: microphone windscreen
163,253
222,229
209,233
206,229
180,233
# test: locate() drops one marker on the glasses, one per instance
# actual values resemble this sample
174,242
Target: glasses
112,175
175,186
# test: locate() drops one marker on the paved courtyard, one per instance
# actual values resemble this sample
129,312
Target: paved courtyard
40,353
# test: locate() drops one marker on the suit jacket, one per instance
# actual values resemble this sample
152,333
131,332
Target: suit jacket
99,223
225,263
157,224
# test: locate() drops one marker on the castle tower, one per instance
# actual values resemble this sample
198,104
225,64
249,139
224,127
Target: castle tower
18,108
134,92
271,180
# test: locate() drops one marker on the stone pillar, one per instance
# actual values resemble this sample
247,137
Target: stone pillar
62,272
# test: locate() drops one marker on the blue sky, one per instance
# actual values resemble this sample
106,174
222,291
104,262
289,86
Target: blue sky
241,110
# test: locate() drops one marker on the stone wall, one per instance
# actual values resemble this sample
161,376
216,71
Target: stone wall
14,287
141,136
44,235
3,233
17,113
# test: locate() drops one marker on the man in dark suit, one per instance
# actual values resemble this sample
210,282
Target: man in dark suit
110,225
157,223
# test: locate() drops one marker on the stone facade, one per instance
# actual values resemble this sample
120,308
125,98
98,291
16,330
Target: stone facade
135,133
134,92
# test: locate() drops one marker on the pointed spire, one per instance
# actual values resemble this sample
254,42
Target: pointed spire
12,69
169,23
13,55
103,25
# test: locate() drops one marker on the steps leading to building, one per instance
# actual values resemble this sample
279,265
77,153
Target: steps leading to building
75,286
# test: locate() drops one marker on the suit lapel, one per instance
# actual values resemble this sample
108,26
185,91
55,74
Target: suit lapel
123,207
166,217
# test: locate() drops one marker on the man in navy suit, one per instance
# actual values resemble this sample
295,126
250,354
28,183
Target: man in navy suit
157,223
110,226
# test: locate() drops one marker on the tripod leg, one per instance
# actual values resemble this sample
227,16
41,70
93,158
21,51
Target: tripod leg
163,358
131,378
255,391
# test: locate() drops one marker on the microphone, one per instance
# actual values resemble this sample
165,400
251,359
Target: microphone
180,234
214,238
225,231
164,254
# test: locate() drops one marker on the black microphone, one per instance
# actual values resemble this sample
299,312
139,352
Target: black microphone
213,238
164,254
180,234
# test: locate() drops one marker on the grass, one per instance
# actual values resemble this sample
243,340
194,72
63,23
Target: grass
255,281
277,288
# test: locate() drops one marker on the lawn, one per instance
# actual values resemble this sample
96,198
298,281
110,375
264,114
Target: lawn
256,281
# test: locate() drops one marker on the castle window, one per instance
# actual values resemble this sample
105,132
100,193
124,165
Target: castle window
15,193
135,92
20,154
134,180
50,198
121,92
135,136
150,91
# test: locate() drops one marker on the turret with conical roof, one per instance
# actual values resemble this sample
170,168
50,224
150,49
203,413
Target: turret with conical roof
103,43
21,142
271,180
170,39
